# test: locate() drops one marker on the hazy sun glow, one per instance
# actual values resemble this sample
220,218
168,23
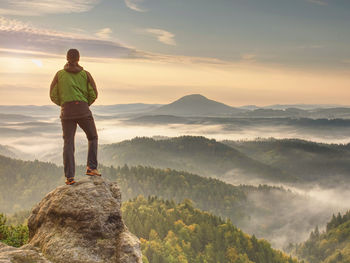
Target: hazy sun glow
236,52
140,80
37,62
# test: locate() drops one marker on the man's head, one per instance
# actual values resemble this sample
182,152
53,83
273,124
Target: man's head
73,55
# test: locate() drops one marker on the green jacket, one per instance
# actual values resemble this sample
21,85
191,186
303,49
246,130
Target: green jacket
72,86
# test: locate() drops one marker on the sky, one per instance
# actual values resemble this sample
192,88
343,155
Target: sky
239,52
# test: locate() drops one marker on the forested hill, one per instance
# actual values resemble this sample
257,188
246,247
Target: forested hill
23,183
173,233
263,160
331,246
277,214
178,233
262,210
207,193
195,154
314,162
6,151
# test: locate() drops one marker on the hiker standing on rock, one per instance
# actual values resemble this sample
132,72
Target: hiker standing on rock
74,89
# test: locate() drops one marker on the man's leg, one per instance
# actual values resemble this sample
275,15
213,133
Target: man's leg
88,126
69,128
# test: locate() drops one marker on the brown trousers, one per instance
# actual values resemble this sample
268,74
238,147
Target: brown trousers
69,127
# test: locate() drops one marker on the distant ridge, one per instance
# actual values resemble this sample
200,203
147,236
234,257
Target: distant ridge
195,105
304,106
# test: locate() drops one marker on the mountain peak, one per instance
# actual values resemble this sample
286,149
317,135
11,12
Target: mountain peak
195,105
193,97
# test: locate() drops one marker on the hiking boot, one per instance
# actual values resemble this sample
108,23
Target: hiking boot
92,172
70,181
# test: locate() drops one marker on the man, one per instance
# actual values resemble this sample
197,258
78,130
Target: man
75,90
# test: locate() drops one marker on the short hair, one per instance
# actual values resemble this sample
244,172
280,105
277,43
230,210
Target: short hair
73,55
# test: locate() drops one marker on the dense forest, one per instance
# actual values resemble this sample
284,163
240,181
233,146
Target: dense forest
195,154
292,161
207,193
172,232
311,162
176,233
24,183
270,212
263,210
260,210
330,246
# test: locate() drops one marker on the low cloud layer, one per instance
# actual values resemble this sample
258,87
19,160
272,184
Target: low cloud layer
43,7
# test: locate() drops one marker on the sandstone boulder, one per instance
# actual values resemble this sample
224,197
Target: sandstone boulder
81,223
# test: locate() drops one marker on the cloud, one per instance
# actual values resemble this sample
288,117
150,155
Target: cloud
134,5
104,33
248,57
162,36
25,40
16,36
317,2
42,7
12,25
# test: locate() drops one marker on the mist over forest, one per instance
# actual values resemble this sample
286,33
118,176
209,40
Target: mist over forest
285,169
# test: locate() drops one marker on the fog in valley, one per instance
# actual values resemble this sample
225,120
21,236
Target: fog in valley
297,213
25,135
33,133
222,131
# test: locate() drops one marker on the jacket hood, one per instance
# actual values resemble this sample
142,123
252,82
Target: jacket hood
73,68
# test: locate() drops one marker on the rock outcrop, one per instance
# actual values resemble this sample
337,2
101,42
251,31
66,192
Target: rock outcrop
81,223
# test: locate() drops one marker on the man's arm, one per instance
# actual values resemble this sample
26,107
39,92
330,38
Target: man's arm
54,91
92,82
54,82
